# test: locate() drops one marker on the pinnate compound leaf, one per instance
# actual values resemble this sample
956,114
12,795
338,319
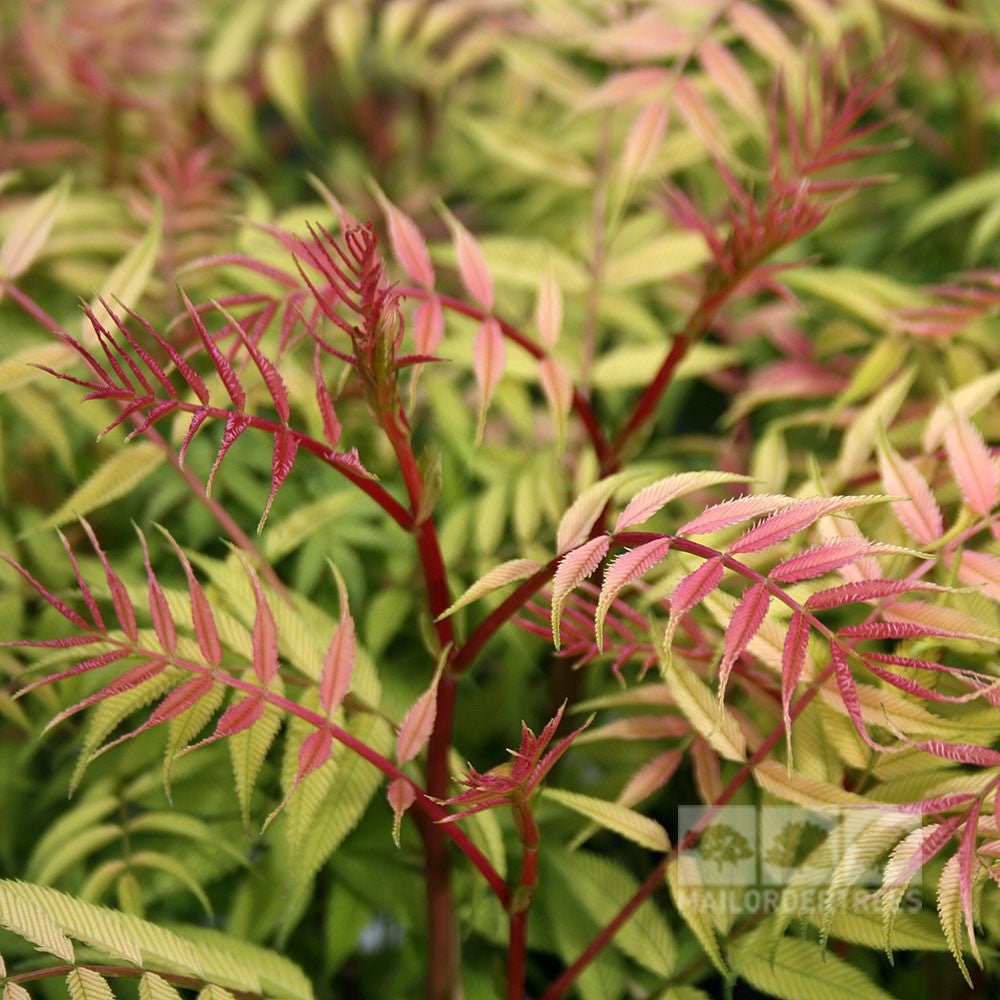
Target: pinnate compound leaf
574,567
655,496
746,620
500,576
585,510
730,512
627,568
972,465
920,515
619,819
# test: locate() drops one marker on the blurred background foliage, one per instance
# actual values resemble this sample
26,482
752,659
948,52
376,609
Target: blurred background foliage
151,133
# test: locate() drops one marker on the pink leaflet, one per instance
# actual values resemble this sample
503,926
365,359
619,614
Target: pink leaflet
731,78
489,358
408,245
192,378
236,424
932,841
849,693
557,387
401,795
238,717
743,626
651,499
644,138
88,597
201,611
694,587
652,775
793,656
865,590
730,512
963,753
197,419
574,568
896,630
64,609
225,370
265,636
428,325
163,620
331,425
627,568
94,663
786,523
179,700
314,752
622,87
920,515
972,465
124,610
980,570
472,267
416,728
130,679
286,446
821,559
338,664
271,376
966,865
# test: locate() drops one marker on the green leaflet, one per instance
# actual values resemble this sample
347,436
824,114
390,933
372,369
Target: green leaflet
154,987
799,970
85,984
32,923
185,727
949,906
619,819
703,710
602,887
247,750
117,476
960,199
691,899
31,229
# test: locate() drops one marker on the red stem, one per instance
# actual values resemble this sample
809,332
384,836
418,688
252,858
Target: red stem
518,947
